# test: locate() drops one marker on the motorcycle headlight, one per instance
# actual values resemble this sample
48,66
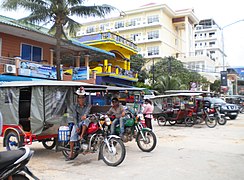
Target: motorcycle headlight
107,121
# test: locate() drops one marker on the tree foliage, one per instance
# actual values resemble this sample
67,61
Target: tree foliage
168,73
215,87
57,12
136,63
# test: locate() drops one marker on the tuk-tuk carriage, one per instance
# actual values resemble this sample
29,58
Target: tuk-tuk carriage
34,110
182,108
173,108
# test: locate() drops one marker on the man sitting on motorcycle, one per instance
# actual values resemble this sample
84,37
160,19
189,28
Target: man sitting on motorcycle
81,110
118,111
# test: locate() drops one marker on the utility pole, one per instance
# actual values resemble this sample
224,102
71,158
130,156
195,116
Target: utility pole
222,39
153,73
223,74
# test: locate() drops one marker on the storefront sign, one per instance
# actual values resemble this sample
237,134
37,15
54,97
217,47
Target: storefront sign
80,73
37,70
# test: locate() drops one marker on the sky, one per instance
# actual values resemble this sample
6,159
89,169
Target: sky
223,12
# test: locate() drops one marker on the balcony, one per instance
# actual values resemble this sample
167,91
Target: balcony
19,69
107,36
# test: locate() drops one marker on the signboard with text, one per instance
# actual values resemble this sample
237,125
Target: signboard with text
80,73
37,70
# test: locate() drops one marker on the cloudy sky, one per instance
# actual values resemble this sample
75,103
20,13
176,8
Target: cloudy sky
223,12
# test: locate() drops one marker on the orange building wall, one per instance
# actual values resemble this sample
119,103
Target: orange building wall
11,46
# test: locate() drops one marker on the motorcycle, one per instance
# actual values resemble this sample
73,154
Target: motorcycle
206,115
134,128
110,147
13,164
220,117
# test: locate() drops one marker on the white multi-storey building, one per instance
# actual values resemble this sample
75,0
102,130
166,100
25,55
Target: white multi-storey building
161,32
209,42
157,30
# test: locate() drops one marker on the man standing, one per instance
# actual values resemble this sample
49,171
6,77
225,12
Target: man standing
119,112
80,112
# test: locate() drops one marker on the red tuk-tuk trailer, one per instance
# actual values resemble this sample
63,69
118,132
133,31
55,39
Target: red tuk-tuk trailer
34,110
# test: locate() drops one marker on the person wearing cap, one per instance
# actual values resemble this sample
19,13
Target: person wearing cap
80,112
118,111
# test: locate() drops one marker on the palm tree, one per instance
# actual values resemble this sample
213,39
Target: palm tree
167,82
57,12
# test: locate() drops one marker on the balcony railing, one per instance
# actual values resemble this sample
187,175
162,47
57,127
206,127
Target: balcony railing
107,36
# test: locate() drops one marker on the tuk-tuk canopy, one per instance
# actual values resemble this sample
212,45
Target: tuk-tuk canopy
87,86
40,102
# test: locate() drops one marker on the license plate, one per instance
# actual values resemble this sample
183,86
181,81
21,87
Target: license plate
233,113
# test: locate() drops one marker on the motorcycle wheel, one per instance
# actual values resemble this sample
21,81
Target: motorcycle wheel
242,110
117,154
222,120
147,144
19,177
189,121
211,122
12,141
66,153
161,121
49,143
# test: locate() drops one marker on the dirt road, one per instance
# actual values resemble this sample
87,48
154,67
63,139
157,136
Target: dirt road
195,153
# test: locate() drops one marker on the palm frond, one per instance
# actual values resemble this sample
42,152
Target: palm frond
72,26
91,11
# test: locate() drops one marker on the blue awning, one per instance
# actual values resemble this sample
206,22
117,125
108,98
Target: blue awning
6,78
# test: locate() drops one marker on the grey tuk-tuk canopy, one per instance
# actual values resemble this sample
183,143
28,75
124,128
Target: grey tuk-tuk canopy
43,103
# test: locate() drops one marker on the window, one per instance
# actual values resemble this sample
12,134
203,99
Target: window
104,27
135,37
90,29
211,43
211,34
119,24
153,51
134,22
153,35
31,53
152,19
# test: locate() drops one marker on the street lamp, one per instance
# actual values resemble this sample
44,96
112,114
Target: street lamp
222,37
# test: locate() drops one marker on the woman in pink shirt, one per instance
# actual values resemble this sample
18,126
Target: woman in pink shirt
147,112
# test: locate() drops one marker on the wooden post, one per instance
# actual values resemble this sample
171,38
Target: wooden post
87,60
77,61
51,56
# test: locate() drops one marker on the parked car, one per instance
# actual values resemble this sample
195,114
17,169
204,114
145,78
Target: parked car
230,110
236,99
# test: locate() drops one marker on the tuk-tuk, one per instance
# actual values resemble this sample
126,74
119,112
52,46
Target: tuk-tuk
173,107
34,110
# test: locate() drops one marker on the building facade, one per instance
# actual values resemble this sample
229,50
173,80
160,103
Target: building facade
209,42
157,30
27,52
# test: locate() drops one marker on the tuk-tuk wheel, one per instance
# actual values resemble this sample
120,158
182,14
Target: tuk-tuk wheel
12,141
172,123
162,121
49,143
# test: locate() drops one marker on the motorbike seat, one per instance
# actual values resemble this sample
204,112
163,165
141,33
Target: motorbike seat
9,157
200,113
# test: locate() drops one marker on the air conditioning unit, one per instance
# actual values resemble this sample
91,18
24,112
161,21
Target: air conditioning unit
9,68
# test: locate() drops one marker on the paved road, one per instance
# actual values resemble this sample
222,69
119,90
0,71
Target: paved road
196,153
